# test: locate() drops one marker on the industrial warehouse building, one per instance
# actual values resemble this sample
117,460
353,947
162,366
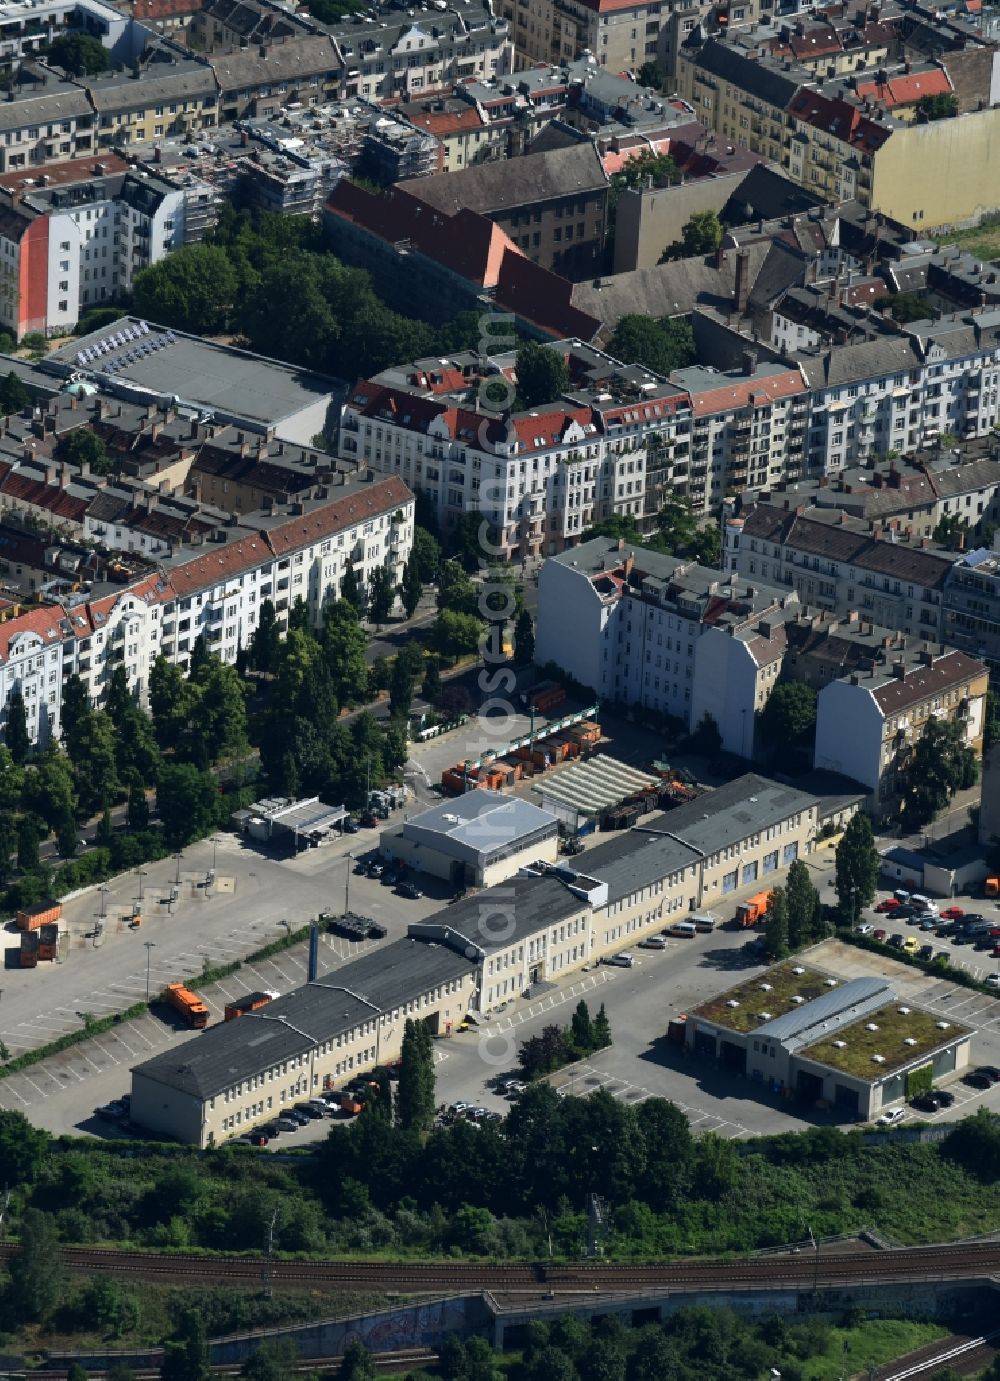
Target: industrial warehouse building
242,1072
475,840
535,922
850,1045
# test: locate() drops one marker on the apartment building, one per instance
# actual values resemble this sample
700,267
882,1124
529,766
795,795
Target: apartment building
471,957
27,27
836,563
31,662
65,248
629,624
259,81
868,722
972,605
848,139
47,120
552,205
161,96
621,36
540,477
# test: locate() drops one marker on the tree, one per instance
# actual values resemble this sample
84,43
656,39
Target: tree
602,1029
661,344
219,715
8,844
381,596
13,395
192,289
405,670
942,106
706,737
81,55
171,700
138,808
412,587
23,1150
82,447
856,867
415,1091
186,1355
75,705
357,1363
776,926
991,720
200,659
431,687
542,376
942,763
805,920
352,591
27,844
110,1305
95,768
275,1360
582,1029
788,718
524,639
456,635
426,552
186,800
16,734
701,234
265,639
910,307
344,644
456,591
37,1274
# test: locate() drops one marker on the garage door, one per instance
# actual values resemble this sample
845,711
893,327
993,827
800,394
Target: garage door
846,1098
733,1056
704,1043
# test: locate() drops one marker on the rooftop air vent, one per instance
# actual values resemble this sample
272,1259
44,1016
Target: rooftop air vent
878,1059
732,1002
764,1016
830,982
798,969
903,1011
765,987
797,999
870,1026
909,1040
840,1045
944,1025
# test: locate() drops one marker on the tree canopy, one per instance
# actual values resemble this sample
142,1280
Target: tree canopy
942,764
857,867
788,718
701,234
81,55
193,289
661,344
541,374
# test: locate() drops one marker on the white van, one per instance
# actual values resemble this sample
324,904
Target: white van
702,921
684,930
921,903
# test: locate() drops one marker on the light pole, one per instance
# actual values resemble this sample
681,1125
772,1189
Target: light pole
177,879
854,908
104,900
150,946
347,885
140,873
215,851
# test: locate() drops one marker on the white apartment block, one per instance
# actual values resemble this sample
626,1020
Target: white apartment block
630,625
217,593
27,27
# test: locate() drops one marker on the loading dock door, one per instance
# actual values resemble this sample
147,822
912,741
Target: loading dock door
809,1087
847,1099
733,1056
704,1043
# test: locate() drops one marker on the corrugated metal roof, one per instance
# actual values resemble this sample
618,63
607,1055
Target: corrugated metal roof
840,1006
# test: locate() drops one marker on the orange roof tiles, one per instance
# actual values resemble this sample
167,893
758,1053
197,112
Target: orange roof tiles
907,88
747,393
43,621
383,496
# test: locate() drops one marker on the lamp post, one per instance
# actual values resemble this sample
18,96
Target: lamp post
177,879
349,858
215,850
104,900
150,946
140,873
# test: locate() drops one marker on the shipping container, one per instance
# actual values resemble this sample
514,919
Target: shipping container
248,1003
187,1003
32,917
29,949
677,1030
545,696
48,941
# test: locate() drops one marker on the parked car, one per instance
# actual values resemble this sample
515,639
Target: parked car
945,1099
953,913
307,1111
653,942
620,961
866,929
926,1102
376,868
390,876
889,904
270,1130
897,940
879,935
929,924
408,889
993,980
369,821
977,1080
351,825
288,1124
991,1072
891,1117
940,958
926,952
254,1138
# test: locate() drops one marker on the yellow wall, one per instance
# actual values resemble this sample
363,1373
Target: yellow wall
942,173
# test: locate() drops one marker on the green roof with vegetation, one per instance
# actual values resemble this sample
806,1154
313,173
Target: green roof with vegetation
786,982
852,1049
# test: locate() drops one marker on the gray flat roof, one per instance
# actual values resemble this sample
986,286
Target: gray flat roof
480,825
731,812
517,908
234,383
838,1007
633,860
387,977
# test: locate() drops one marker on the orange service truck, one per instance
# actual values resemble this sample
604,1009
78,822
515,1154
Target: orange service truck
752,911
34,917
190,1006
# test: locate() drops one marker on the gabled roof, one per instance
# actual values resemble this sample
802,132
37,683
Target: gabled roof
358,504
907,88
312,56
491,188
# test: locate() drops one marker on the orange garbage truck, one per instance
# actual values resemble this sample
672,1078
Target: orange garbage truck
189,1004
752,911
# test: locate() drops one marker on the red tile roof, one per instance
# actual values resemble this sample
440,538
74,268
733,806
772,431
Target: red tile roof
41,495
840,119
747,393
357,505
542,297
43,621
907,88
60,174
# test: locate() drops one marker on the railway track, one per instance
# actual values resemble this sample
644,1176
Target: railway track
407,1360
805,1270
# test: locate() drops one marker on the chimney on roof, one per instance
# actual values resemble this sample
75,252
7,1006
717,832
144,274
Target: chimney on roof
899,670
749,362
742,292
